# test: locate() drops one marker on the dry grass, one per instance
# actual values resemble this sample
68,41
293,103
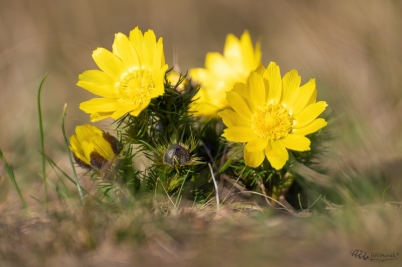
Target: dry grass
93,236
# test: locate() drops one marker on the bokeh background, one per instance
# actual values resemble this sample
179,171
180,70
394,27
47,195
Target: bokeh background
351,47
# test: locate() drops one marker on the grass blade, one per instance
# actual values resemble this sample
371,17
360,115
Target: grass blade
71,180
10,173
69,153
42,139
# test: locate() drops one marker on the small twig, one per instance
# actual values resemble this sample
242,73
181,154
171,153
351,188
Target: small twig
207,150
234,185
300,204
216,188
206,203
312,204
262,186
166,194
252,192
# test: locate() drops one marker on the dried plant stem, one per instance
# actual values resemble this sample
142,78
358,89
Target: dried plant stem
273,200
216,188
263,189
167,194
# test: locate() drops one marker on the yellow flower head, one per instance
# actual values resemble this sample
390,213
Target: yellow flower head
239,59
272,114
129,78
92,147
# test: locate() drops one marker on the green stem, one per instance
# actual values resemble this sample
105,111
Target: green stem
69,153
10,173
276,193
71,180
42,139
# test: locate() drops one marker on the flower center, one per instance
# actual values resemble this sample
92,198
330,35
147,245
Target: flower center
271,122
136,87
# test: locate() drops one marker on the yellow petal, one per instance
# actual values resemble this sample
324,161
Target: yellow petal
109,63
296,142
314,126
86,132
149,47
216,63
97,82
140,108
308,114
239,105
105,90
301,97
76,148
273,75
96,76
137,40
260,70
257,89
313,98
123,109
239,134
199,74
247,52
231,118
257,55
97,116
244,91
277,155
88,148
232,52
103,147
204,109
159,88
291,82
126,52
159,58
253,159
258,144
99,105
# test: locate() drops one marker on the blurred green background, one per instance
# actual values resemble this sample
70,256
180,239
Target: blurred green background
352,48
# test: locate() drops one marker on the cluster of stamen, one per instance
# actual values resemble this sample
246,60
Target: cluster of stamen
272,122
136,87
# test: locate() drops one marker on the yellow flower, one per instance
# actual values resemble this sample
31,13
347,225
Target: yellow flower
239,59
272,115
92,147
129,77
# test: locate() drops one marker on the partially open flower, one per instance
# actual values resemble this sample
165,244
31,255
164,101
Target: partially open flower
92,148
221,72
176,154
129,78
272,115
